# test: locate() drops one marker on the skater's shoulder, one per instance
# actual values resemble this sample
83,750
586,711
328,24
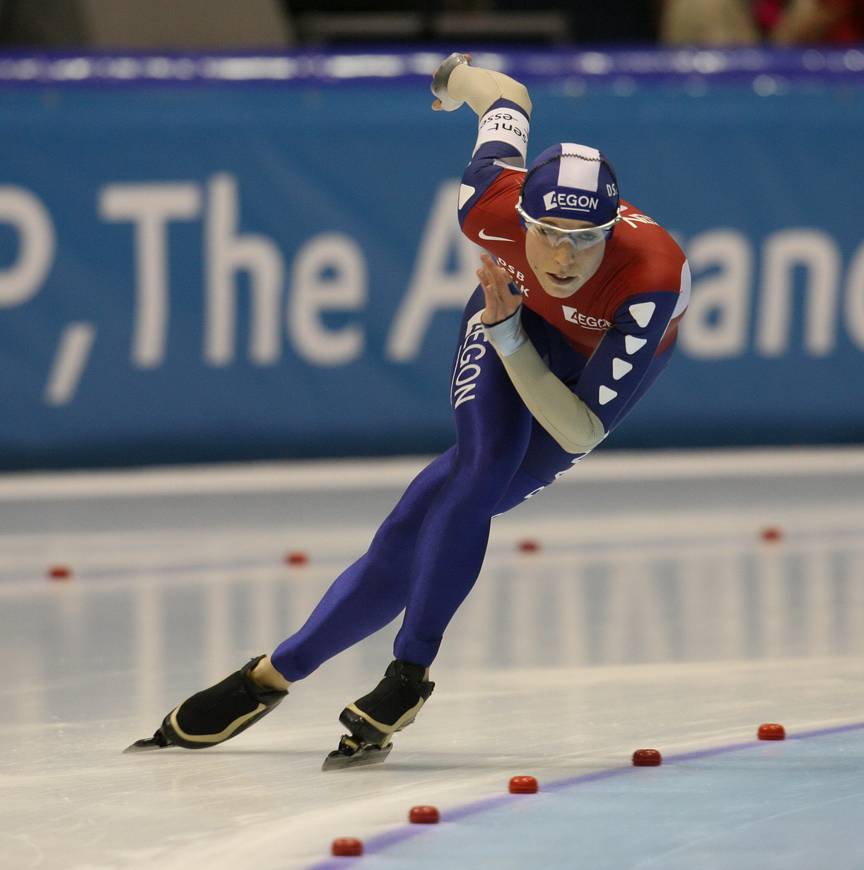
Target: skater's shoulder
490,183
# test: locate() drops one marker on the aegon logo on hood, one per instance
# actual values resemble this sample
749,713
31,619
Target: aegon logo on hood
570,201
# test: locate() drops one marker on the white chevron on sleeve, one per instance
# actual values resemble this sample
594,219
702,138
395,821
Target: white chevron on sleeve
642,312
465,193
620,368
632,343
606,395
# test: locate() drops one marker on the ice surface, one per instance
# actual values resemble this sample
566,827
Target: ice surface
654,615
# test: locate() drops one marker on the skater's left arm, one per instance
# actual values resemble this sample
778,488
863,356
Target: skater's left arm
564,416
578,420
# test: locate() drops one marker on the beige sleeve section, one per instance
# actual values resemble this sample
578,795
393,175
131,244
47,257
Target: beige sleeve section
564,416
481,87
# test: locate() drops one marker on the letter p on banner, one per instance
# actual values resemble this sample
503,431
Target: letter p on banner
23,279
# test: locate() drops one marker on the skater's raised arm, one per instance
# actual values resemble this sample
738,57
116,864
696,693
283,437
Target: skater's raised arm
503,108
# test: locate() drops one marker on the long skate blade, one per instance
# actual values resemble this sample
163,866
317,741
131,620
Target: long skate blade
148,744
363,757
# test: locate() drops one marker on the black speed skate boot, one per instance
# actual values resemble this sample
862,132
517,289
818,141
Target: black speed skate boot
373,719
215,715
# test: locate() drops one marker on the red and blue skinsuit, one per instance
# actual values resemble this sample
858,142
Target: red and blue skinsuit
608,342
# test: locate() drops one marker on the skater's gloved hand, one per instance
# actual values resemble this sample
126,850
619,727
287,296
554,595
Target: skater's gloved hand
443,102
501,302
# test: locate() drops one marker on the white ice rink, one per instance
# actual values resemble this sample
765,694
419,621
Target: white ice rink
653,615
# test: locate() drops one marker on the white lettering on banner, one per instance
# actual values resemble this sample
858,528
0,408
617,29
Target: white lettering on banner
432,287
226,254
69,362
783,252
21,281
329,275
715,326
717,323
854,309
735,309
150,207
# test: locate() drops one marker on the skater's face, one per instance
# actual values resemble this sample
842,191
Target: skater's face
560,268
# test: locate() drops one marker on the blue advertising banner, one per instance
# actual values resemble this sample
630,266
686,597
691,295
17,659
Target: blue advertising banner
266,263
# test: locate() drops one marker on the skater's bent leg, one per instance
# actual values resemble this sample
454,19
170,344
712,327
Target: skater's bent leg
371,592
493,429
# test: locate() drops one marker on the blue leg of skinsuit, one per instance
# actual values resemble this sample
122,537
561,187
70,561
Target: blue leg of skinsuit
428,552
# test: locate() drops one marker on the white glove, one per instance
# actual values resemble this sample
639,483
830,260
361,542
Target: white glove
442,75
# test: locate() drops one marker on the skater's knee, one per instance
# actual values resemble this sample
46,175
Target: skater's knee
477,483
386,573
497,449
393,535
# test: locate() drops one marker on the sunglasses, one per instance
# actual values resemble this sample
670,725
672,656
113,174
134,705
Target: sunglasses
580,238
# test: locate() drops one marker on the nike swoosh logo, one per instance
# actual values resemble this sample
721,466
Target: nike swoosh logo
488,238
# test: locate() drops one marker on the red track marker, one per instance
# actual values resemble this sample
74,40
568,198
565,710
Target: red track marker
523,785
424,815
771,731
60,572
647,758
528,545
296,557
347,847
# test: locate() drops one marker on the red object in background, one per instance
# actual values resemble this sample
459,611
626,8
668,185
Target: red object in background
647,758
767,13
424,815
60,572
771,731
771,534
844,27
296,557
347,847
529,545
523,785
